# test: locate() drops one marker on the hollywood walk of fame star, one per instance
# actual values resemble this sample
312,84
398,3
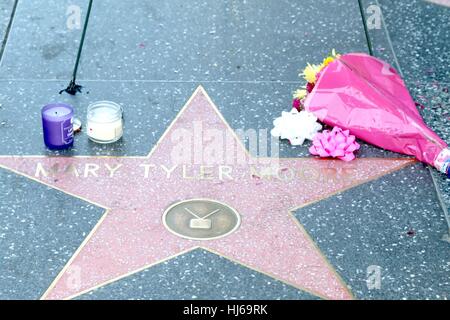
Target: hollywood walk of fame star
131,235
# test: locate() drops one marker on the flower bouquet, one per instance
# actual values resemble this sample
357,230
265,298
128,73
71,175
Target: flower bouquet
365,96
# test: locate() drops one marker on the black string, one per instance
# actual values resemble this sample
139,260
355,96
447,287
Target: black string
8,29
366,31
73,87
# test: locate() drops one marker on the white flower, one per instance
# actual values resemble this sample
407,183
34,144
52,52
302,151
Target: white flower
296,126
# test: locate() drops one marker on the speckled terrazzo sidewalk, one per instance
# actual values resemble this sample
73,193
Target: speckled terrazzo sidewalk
421,40
91,222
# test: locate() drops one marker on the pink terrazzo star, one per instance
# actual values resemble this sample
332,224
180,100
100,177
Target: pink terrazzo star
135,191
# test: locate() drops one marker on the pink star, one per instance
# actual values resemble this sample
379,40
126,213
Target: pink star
135,191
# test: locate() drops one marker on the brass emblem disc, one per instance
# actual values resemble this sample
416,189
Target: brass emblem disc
201,219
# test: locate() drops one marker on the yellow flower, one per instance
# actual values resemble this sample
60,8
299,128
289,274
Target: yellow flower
327,61
310,72
300,94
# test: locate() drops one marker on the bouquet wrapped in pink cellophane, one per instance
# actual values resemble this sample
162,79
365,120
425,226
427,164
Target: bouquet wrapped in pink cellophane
365,95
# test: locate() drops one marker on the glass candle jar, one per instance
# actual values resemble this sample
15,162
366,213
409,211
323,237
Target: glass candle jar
57,119
104,122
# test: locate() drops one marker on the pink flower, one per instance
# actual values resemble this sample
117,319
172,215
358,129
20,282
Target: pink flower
309,87
297,104
337,144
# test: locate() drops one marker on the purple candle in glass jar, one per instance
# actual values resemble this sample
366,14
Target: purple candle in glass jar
57,123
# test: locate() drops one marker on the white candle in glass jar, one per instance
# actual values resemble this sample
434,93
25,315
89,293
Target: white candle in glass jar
104,122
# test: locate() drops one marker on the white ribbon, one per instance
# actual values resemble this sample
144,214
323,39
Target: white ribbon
296,126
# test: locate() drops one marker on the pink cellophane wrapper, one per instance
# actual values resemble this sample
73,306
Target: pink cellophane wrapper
366,96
